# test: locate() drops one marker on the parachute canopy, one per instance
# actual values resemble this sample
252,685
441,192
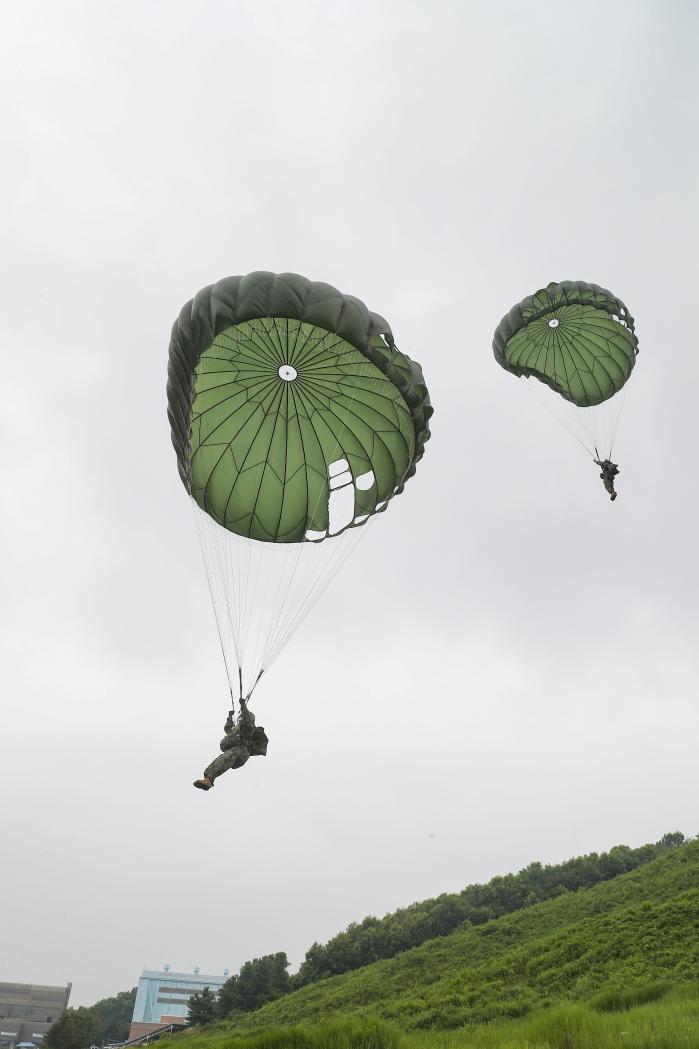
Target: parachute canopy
575,337
281,391
295,418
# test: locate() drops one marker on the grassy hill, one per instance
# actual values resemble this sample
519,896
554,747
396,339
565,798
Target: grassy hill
638,928
669,1023
376,939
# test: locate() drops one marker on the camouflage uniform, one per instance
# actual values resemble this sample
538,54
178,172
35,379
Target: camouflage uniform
243,740
609,472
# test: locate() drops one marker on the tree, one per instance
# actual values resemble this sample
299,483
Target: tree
260,981
116,1015
202,1008
227,1002
673,839
75,1029
87,1025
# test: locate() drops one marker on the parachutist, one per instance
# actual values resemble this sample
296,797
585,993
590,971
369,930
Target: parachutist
243,740
263,476
577,339
609,472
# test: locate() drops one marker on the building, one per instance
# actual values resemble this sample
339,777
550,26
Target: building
27,1010
162,997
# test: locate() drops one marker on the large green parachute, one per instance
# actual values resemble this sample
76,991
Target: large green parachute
577,340
295,419
273,380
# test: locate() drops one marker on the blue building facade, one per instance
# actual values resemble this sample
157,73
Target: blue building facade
162,996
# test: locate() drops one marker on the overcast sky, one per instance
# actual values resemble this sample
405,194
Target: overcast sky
508,671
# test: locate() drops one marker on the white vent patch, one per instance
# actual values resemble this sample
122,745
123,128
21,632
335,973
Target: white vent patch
338,467
341,500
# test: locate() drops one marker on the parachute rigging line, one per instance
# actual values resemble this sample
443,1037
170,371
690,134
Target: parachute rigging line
293,597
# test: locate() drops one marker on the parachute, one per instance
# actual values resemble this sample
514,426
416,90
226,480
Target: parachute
296,420
578,341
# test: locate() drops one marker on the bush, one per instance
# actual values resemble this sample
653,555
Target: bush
618,1001
565,1027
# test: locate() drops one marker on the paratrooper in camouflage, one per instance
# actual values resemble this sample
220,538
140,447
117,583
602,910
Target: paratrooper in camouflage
609,472
243,740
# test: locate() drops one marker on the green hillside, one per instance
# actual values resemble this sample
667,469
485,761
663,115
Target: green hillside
670,1021
376,939
637,928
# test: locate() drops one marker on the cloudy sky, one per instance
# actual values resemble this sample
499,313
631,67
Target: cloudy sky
508,670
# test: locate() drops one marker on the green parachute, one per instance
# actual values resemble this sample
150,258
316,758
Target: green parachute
295,420
578,340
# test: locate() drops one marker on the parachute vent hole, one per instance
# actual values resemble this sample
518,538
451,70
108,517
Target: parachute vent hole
341,499
554,322
338,467
287,372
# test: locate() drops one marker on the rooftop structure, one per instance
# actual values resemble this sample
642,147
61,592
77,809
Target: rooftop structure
27,1010
162,997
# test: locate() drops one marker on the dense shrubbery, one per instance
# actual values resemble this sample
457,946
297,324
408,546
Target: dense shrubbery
621,1000
375,939
107,1020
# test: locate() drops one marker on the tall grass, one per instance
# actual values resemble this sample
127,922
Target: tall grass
347,1034
672,1023
669,1023
619,1001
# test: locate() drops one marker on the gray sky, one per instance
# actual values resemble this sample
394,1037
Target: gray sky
521,679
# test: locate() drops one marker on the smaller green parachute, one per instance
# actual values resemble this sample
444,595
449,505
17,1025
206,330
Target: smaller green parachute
576,337
578,340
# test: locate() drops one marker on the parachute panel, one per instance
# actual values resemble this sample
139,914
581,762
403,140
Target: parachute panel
252,387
